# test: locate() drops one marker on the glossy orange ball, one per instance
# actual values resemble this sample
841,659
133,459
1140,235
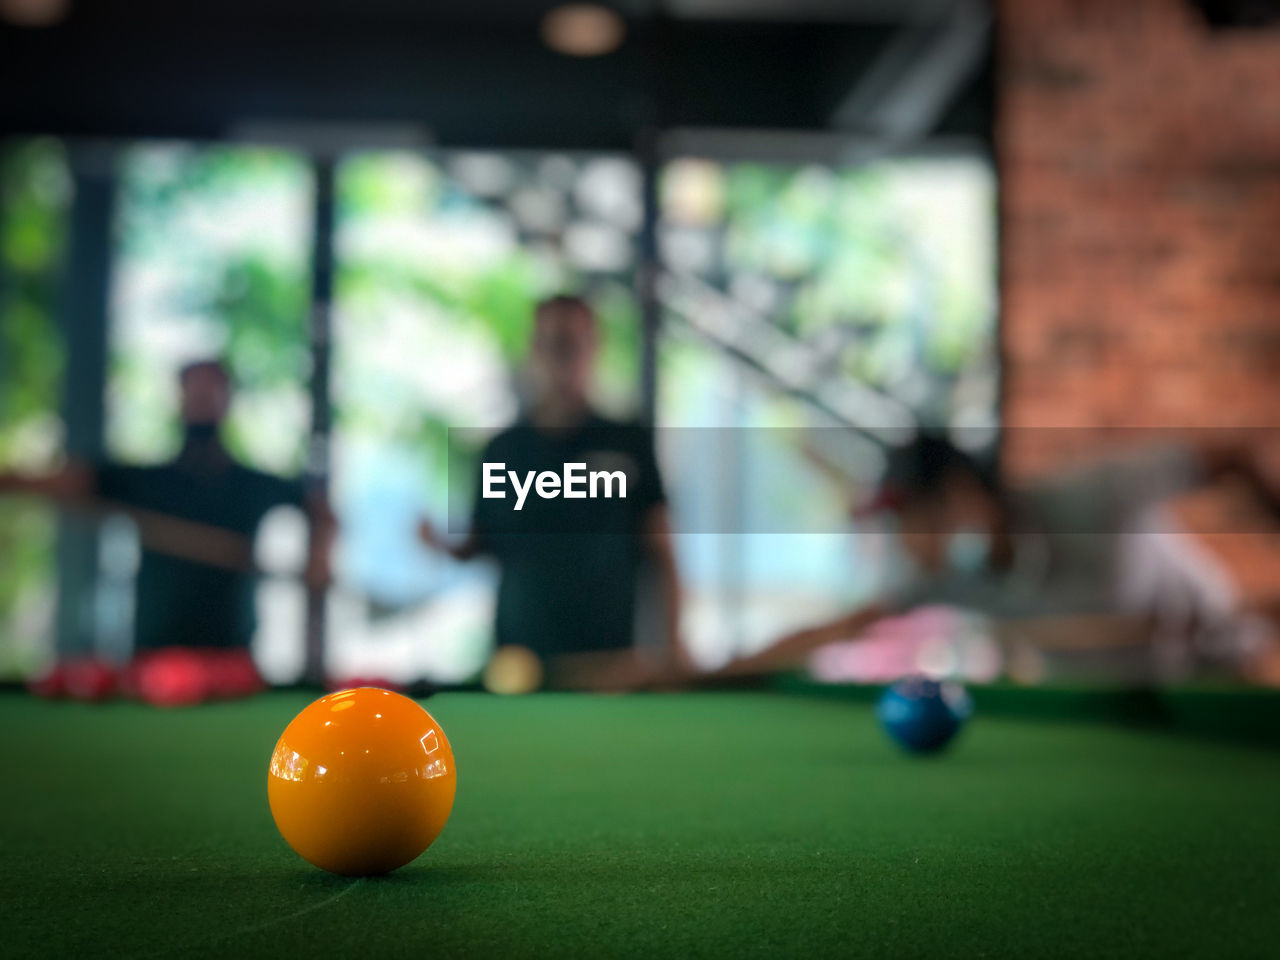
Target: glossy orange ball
361,781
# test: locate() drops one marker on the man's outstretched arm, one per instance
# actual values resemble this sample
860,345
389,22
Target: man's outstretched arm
464,549
74,485
793,649
72,481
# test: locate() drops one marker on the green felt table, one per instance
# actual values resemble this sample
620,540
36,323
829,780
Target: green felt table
713,824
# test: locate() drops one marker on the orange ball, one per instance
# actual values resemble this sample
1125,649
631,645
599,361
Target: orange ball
361,781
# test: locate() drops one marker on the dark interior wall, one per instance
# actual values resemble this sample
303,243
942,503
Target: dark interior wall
470,82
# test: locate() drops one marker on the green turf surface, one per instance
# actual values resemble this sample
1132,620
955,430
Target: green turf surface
728,824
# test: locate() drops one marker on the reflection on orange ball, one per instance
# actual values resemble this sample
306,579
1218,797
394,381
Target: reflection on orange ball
361,781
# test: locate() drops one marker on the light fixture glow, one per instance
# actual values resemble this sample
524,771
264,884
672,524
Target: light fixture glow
582,30
34,13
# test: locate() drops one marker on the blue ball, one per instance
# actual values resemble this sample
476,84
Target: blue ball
922,715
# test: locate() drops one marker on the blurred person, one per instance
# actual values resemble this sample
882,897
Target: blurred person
1073,556
570,569
197,517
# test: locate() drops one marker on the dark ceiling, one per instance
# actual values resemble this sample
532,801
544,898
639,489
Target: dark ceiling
474,74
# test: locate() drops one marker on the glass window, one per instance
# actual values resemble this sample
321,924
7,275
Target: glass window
36,195
854,300
213,260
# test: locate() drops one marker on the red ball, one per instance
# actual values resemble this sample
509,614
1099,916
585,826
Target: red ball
231,673
128,680
51,684
174,677
89,679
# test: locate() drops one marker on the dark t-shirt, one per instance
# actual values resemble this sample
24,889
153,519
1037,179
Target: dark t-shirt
180,602
569,567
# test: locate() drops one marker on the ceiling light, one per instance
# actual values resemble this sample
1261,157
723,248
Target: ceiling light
582,30
34,13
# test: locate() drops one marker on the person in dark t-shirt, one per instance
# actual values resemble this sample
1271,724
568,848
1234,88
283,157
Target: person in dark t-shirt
197,516
570,564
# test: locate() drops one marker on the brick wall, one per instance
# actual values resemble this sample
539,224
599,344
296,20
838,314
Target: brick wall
1140,165
1140,173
